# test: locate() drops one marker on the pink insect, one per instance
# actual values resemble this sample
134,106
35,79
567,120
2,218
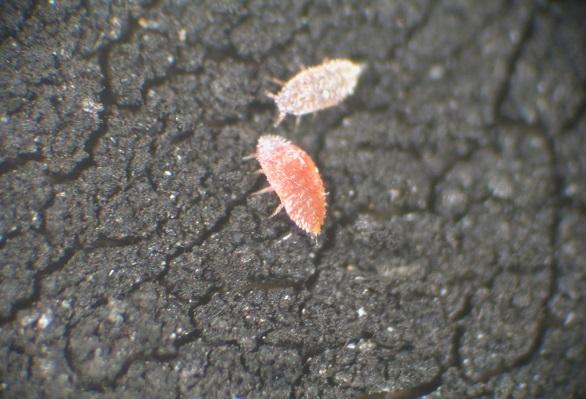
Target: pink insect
292,174
316,88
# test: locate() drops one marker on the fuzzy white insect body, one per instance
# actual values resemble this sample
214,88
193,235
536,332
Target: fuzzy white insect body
318,87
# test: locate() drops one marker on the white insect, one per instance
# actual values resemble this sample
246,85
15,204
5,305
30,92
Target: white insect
317,87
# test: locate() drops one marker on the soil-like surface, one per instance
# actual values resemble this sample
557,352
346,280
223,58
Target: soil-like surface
135,263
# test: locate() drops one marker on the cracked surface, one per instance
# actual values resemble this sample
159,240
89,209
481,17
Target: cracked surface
135,262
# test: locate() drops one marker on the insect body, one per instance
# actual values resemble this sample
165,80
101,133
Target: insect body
316,88
292,174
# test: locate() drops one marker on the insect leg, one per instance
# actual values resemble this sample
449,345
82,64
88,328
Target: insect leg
297,122
279,208
278,81
267,189
280,118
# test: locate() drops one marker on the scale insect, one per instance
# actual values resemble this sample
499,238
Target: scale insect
316,88
293,176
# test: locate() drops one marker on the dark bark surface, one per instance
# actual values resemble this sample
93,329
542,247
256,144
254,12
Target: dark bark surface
135,263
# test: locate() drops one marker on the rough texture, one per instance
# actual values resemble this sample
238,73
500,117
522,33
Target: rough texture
134,262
